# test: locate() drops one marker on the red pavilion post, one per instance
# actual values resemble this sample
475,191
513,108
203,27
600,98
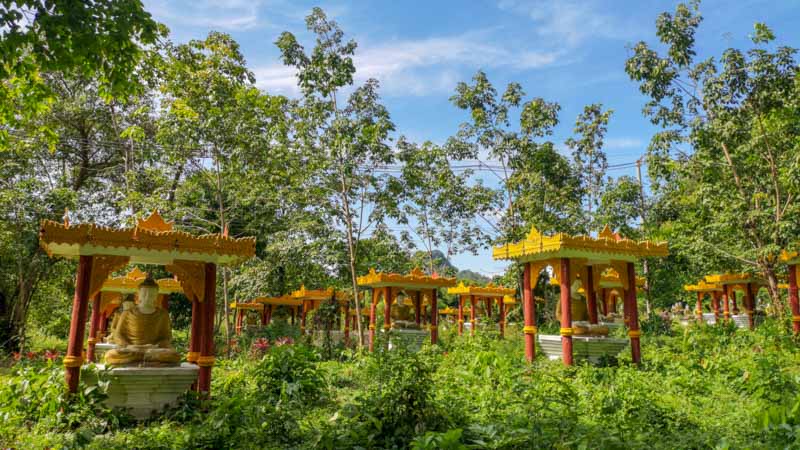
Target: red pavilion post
472,321
502,312
529,314
793,298
434,327
591,295
372,307
633,313
566,312
80,303
460,315
94,325
488,305
715,305
206,358
239,320
387,309
726,307
750,305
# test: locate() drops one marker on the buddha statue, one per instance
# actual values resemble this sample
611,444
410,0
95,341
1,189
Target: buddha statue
127,305
403,314
143,334
580,314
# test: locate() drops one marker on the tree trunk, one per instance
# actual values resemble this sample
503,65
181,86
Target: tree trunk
774,292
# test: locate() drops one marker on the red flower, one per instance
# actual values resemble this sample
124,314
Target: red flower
17,356
286,340
31,355
51,355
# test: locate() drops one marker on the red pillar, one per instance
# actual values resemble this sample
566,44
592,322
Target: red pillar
591,295
373,306
387,309
473,323
794,302
347,322
206,359
303,315
529,313
750,304
715,305
239,320
733,299
103,327
460,315
566,313
633,313
699,310
502,308
726,307
613,303
418,307
94,325
196,333
80,303
434,318
604,301
488,303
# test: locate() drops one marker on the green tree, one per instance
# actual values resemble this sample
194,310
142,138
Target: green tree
438,205
98,40
588,155
349,139
736,191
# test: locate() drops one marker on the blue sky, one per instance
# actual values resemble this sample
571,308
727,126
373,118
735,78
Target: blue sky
571,52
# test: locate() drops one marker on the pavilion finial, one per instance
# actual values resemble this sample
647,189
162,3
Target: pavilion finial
606,233
534,234
154,223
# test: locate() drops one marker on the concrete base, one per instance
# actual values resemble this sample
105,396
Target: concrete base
143,390
412,339
590,348
710,319
101,349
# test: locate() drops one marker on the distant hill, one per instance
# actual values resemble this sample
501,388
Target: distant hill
473,276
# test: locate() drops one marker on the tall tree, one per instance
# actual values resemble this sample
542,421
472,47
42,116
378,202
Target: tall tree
100,40
737,189
539,184
350,138
439,206
588,155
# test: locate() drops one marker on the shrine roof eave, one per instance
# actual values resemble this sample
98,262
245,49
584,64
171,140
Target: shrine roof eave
143,245
278,301
702,287
253,306
595,257
414,281
733,278
483,291
790,257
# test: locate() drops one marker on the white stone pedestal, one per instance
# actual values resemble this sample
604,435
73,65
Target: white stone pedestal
591,348
101,348
143,390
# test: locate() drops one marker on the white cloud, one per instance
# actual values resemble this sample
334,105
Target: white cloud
214,14
421,67
568,21
624,143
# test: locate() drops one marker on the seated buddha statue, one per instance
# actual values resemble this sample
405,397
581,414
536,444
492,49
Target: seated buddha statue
403,314
127,305
143,334
580,314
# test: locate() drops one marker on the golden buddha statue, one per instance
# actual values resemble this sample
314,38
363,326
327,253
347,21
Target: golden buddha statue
580,314
143,334
127,305
403,314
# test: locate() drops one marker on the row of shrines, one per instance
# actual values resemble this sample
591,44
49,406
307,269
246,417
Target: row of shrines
601,266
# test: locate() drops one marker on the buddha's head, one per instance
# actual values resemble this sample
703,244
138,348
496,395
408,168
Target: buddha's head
127,302
148,293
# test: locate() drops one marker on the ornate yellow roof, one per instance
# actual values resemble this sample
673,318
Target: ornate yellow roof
284,300
320,294
130,282
790,257
509,300
255,306
607,246
415,280
151,241
490,290
732,278
702,286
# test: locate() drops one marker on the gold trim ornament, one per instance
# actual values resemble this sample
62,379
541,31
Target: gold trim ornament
567,331
795,318
72,361
433,327
192,357
529,329
634,333
371,326
206,361
91,341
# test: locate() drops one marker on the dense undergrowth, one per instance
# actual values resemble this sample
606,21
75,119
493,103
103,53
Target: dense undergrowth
700,387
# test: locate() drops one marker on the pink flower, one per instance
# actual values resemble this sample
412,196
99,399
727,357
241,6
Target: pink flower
17,356
51,355
30,355
286,340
